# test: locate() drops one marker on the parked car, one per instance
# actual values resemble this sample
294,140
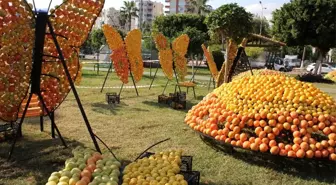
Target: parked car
326,68
281,65
81,55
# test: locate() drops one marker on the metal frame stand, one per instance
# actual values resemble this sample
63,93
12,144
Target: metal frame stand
42,21
150,86
108,72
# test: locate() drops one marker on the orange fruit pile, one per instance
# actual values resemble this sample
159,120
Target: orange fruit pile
267,113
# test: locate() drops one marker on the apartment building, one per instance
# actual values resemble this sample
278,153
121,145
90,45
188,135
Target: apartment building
148,10
176,6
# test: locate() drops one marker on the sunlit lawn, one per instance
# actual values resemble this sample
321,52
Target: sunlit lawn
132,126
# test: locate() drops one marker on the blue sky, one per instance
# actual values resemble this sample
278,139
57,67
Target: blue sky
252,6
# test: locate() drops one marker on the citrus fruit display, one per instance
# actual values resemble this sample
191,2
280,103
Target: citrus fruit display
133,48
267,113
258,72
119,55
165,54
210,61
161,168
87,167
180,48
331,76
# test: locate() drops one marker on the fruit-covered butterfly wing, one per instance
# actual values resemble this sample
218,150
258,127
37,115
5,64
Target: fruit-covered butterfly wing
17,36
133,48
180,47
119,55
72,22
165,54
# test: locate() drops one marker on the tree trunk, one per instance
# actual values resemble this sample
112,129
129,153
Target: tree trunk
318,65
130,23
226,74
303,57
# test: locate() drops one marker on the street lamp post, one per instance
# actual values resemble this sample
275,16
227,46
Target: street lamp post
262,16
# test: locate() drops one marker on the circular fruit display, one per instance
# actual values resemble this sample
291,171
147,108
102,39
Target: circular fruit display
267,113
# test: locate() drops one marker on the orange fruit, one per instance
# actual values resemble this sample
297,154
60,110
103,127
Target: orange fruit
300,153
263,147
309,154
274,150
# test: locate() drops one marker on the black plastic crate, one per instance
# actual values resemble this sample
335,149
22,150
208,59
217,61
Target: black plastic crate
112,98
186,161
192,177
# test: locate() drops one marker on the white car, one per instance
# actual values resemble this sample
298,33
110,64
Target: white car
326,68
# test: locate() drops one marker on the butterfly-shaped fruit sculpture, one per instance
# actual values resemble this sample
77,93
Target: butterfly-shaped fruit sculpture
211,62
166,56
71,21
126,54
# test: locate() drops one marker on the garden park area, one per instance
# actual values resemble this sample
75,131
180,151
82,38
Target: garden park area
134,124
62,122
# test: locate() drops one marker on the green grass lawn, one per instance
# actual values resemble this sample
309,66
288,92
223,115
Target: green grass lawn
132,126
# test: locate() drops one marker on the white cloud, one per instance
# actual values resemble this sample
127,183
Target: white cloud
256,9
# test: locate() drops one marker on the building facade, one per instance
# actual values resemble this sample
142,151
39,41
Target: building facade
148,10
176,6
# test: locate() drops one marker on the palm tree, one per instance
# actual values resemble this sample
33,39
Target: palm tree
200,7
128,11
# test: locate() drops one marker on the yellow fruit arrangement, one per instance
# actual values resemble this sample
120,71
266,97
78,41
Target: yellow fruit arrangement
258,72
267,113
159,169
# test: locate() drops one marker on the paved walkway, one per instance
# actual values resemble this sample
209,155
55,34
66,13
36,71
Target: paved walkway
188,77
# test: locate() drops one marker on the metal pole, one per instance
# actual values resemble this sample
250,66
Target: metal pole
121,88
108,72
165,87
19,127
73,87
136,90
153,78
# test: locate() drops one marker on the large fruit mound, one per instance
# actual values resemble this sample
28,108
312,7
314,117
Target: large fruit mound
258,72
331,76
267,113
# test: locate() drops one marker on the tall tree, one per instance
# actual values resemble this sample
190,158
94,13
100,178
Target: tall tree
174,25
199,7
97,39
262,23
128,11
229,21
307,22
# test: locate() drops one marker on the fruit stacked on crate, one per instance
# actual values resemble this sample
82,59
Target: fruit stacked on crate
267,113
160,168
331,76
87,167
